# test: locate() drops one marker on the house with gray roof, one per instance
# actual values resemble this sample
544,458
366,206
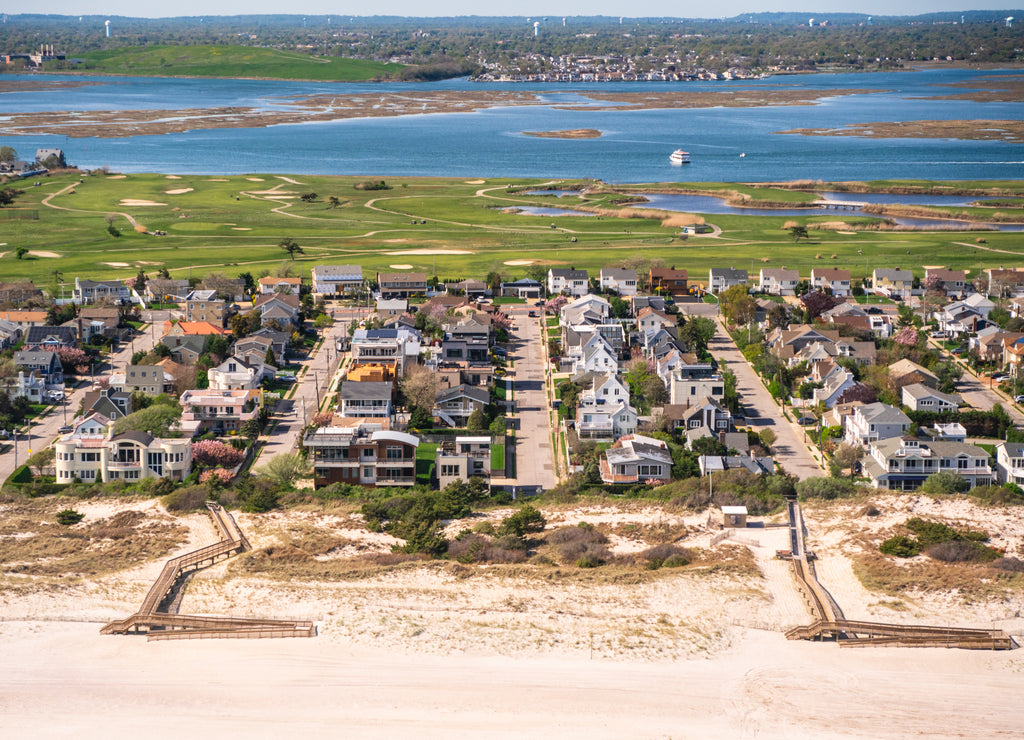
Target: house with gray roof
904,463
621,280
44,363
874,421
366,399
721,279
569,281
636,459
919,397
337,279
1010,462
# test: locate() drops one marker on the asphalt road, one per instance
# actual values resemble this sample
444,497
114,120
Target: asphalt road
534,460
762,412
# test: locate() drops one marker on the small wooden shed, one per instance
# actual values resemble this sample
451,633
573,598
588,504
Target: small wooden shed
734,516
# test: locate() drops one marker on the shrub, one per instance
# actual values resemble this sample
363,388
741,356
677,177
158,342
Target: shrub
476,548
484,528
187,498
69,517
526,520
217,476
825,488
961,551
582,533
1010,565
593,556
944,484
665,555
21,475
900,546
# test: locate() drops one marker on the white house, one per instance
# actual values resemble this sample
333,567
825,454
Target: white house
831,279
337,279
128,456
721,279
635,459
919,397
622,281
778,281
875,421
570,281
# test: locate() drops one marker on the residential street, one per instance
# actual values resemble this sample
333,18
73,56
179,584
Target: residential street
762,411
42,431
534,461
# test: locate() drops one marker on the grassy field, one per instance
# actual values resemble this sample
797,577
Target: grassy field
448,227
234,61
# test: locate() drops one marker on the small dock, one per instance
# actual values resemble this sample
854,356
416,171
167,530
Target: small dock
839,205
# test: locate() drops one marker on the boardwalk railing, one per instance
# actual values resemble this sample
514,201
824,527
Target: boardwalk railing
178,626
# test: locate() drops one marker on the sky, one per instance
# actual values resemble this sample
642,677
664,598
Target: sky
538,8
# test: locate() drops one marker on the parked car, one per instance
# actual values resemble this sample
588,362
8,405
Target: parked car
55,395
957,351
1019,399
938,334
66,429
1000,378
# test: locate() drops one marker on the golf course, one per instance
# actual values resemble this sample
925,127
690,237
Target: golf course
103,225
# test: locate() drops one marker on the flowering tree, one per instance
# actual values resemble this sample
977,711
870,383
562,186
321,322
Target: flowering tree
906,336
321,419
73,359
209,453
222,476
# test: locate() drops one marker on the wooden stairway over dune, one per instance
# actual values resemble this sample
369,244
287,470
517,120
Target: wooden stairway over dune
160,625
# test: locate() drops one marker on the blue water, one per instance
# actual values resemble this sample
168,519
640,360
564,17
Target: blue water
634,146
538,211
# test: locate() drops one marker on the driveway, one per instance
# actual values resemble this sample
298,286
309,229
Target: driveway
762,411
534,461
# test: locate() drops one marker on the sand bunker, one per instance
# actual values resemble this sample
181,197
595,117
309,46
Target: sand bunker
179,191
43,253
116,177
400,267
3,254
288,179
475,182
115,264
173,177
847,233
255,179
428,252
140,262
137,203
519,263
219,179
240,228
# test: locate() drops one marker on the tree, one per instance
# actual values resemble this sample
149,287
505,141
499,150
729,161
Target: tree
308,197
817,302
477,421
948,373
737,304
20,252
944,484
250,429
285,469
333,201
69,517
291,247
157,420
778,316
847,455
697,333
419,387
767,437
527,520
8,153
41,460
798,233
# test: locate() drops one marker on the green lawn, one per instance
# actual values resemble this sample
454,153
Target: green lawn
233,61
426,459
498,457
229,225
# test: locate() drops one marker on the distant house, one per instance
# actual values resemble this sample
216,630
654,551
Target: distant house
875,421
568,281
29,387
757,465
721,279
892,282
390,308
158,290
205,305
527,289
621,281
919,397
1005,283
454,406
462,459
24,318
1010,462
110,402
778,281
365,400
953,282
50,338
906,372
90,291
337,279
401,284
44,363
667,280
47,154
217,411
286,285
829,279
149,379
636,459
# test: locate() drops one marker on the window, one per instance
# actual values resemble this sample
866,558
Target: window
961,463
394,453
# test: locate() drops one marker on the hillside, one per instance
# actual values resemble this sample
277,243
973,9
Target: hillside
234,61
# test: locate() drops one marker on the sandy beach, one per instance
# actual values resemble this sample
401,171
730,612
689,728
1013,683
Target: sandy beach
441,649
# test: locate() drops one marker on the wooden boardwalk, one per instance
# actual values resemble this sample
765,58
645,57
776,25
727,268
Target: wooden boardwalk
160,625
830,624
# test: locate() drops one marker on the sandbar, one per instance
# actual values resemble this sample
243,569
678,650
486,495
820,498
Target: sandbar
574,133
519,263
974,130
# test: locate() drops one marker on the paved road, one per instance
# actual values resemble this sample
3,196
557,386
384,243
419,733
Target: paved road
42,431
292,415
534,459
980,393
762,411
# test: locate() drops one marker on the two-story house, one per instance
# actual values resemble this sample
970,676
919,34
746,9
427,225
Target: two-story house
892,282
622,281
128,456
721,279
569,281
337,279
904,463
357,400
667,280
45,364
454,406
875,421
90,291
217,411
401,284
204,305
778,281
919,397
952,282
636,459
463,458
1010,462
830,279
284,285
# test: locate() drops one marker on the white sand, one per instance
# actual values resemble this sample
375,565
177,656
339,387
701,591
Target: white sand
428,252
255,179
448,651
519,263
218,179
400,267
115,264
288,179
475,182
173,177
241,228
116,177
43,253
179,191
138,203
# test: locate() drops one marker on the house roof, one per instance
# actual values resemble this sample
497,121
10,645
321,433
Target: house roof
143,438
893,273
36,358
196,328
402,278
882,413
280,281
917,391
728,273
829,273
569,274
341,272
350,390
904,367
618,273
66,335
779,273
479,395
